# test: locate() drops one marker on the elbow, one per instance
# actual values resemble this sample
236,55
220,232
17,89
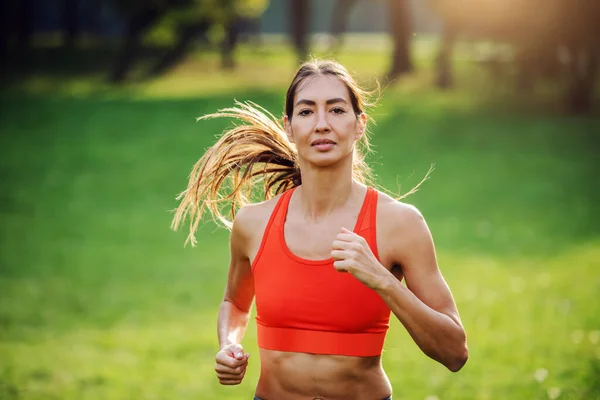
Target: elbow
458,360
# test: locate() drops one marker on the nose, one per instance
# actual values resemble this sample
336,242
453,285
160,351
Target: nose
322,125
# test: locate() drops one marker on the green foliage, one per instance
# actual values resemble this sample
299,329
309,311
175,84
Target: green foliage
99,300
176,14
251,8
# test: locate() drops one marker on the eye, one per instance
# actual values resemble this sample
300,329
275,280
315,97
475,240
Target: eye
304,112
338,110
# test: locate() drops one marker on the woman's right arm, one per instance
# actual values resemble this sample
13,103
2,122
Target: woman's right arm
234,313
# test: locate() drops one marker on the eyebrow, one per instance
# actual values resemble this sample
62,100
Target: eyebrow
330,101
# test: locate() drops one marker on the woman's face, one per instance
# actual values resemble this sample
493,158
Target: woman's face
324,125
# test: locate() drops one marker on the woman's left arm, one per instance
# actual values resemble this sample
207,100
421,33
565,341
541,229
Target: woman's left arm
424,306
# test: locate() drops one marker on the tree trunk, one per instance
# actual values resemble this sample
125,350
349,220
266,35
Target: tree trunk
444,78
339,18
69,22
232,34
401,29
580,91
299,22
5,18
136,26
25,25
181,48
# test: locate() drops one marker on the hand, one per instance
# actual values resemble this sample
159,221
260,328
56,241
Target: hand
231,363
351,253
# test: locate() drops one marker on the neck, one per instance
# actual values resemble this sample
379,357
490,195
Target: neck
325,189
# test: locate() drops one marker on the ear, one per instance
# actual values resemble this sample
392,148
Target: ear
288,128
362,125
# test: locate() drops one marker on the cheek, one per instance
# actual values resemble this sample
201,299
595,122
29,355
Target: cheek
348,126
301,126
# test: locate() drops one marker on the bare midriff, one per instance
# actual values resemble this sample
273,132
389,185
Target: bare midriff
302,376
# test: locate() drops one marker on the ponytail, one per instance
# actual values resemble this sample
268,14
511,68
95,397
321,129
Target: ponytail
258,151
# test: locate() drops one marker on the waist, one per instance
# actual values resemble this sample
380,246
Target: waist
320,342
301,376
258,398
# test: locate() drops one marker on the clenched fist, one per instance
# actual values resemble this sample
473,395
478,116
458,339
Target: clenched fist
351,253
231,363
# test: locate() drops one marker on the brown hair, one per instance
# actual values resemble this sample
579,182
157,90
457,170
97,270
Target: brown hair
258,151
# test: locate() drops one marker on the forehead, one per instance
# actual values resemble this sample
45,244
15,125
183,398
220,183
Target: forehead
322,88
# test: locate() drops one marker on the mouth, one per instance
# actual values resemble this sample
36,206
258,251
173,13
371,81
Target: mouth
322,142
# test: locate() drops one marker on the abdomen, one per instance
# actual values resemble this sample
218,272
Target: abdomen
297,376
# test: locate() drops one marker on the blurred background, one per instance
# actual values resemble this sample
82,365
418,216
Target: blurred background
100,300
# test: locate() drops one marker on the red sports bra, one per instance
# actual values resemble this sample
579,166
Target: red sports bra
307,306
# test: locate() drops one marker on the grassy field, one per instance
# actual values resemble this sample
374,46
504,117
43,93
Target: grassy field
99,299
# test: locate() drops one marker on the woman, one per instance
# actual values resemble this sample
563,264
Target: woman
325,256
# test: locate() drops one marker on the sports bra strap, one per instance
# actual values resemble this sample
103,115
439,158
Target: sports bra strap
367,220
275,220
281,208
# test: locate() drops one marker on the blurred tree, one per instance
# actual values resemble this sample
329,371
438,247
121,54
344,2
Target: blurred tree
189,20
24,24
339,22
4,33
299,14
400,26
401,29
471,19
16,31
70,10
140,17
582,36
538,31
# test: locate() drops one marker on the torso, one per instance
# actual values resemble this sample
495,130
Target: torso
303,376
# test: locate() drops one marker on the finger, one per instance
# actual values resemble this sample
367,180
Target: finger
230,381
346,235
340,245
235,351
349,247
350,238
223,369
338,255
234,363
353,244
349,233
341,266
229,361
230,377
223,375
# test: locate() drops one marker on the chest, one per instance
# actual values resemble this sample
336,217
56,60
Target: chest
314,240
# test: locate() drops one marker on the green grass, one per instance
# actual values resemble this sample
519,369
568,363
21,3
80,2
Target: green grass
99,300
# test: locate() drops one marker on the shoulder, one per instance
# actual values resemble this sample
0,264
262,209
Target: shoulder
401,226
403,235
251,220
397,214
255,213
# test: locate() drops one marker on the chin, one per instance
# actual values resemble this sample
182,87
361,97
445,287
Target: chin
324,160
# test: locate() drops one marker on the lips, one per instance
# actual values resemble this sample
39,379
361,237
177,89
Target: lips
322,142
